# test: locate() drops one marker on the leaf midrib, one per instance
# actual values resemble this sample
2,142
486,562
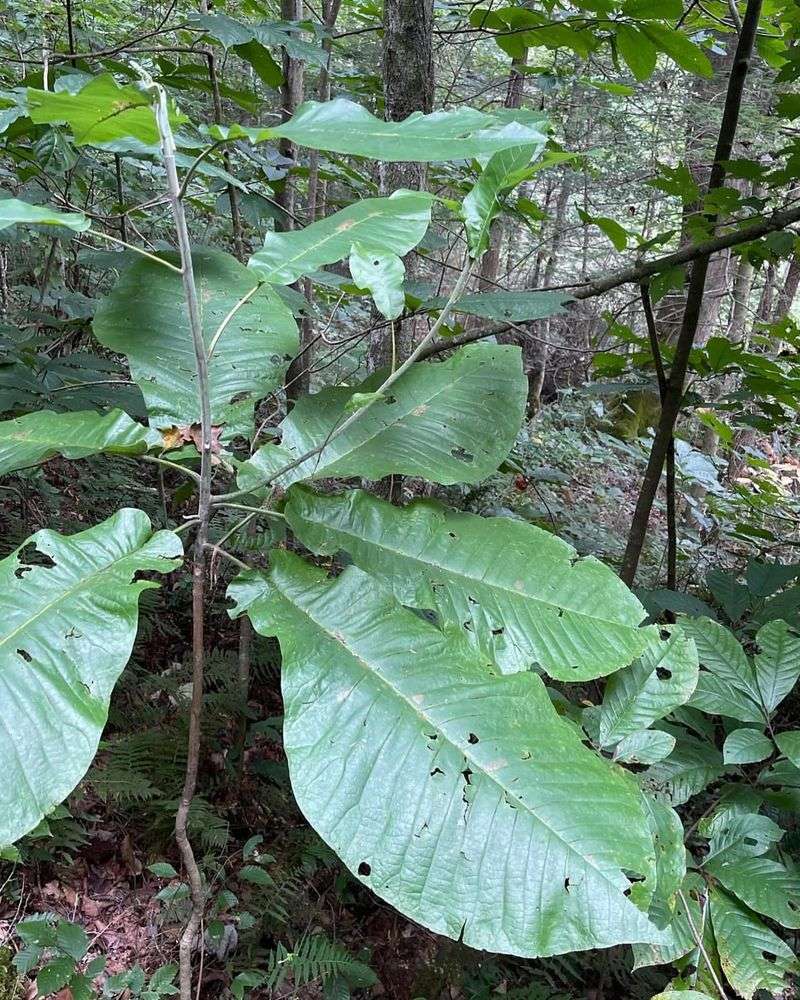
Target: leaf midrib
341,641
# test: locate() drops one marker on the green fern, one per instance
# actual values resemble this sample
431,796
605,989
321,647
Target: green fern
315,958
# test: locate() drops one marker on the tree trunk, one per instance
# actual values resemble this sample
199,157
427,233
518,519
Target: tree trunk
408,86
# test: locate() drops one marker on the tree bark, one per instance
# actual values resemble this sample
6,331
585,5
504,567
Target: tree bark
408,86
694,300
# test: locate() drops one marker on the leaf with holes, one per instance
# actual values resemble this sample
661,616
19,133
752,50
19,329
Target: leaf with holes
752,957
409,758
514,307
250,334
734,834
538,603
67,625
764,885
393,225
690,768
381,274
431,423
663,678
36,437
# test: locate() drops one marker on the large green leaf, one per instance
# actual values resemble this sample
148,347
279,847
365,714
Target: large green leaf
340,126
521,595
736,833
777,663
663,678
762,884
100,113
727,683
145,318
19,213
746,746
388,225
483,203
432,423
36,437
458,796
517,307
66,631
752,957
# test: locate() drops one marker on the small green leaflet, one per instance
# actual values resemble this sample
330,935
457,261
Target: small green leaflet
341,126
37,437
391,225
67,632
645,747
483,203
690,768
381,274
727,684
409,764
514,307
789,745
19,213
539,604
746,746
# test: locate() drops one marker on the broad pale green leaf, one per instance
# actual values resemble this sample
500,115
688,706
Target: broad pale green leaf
645,747
735,834
746,746
36,437
144,317
752,957
663,678
432,423
789,745
727,683
516,307
637,50
690,768
483,203
66,632
762,884
777,662
459,797
391,225
100,113
520,595
19,213
340,126
668,837
679,48
382,275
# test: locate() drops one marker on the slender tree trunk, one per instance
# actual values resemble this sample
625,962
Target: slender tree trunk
408,86
694,300
291,97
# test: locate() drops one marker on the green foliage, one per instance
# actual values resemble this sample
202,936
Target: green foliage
442,729
69,621
19,213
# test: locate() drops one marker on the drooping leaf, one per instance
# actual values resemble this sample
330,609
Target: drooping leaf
482,204
145,318
679,48
637,50
537,603
727,683
409,764
777,663
340,126
66,632
752,957
100,114
662,679
381,274
19,213
746,746
690,768
432,423
762,884
789,745
393,225
35,437
645,747
515,306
